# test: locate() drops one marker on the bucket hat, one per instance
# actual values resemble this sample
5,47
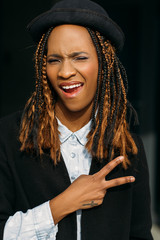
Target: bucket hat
79,12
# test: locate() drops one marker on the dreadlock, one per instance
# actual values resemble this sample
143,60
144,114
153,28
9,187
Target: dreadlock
109,129
111,132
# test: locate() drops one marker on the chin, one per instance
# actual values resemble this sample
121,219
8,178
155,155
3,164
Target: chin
75,108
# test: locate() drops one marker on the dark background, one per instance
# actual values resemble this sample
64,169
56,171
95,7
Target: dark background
140,21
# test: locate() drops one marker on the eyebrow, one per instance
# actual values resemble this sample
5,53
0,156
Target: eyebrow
74,54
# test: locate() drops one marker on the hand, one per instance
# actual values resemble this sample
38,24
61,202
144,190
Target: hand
88,191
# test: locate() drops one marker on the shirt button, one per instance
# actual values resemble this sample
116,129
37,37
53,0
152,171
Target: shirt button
73,155
74,143
73,178
73,137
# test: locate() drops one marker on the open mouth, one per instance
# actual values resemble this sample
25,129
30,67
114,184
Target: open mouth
71,88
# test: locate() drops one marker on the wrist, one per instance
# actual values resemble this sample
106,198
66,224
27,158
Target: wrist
60,207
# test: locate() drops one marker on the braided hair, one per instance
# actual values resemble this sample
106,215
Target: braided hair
109,129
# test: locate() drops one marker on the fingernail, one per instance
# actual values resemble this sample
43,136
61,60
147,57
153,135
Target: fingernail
132,179
120,159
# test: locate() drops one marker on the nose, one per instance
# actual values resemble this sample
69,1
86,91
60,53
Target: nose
66,70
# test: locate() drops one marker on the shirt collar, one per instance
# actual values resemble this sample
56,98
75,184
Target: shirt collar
81,134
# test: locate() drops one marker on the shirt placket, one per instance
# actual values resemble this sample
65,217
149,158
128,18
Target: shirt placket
74,158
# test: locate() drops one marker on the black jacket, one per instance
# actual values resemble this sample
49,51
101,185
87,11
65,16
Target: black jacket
26,182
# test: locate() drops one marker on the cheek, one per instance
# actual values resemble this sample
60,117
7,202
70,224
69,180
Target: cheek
91,75
90,69
51,74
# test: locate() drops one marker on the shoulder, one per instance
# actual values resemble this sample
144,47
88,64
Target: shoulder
138,140
9,125
139,161
11,120
13,116
139,143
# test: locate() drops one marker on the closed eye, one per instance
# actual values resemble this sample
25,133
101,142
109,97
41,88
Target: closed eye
81,58
53,60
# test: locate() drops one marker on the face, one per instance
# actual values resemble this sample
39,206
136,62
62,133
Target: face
72,67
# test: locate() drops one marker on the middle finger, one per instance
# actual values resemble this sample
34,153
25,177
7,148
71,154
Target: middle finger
119,181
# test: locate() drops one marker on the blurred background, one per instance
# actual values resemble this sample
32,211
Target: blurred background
140,21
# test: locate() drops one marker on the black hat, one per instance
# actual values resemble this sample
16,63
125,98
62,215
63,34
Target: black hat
80,12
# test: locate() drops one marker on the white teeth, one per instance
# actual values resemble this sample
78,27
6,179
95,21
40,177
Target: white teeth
71,86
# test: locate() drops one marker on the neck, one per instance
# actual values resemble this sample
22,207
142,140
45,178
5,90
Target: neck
73,120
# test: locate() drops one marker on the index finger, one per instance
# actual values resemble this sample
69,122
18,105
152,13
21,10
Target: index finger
110,166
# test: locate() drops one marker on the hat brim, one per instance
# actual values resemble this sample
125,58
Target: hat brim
54,17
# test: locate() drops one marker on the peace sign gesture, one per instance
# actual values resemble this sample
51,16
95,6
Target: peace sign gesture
87,191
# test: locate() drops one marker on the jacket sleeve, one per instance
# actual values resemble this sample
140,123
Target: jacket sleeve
141,215
7,197
36,223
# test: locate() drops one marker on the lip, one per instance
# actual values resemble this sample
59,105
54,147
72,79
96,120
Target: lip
69,83
74,93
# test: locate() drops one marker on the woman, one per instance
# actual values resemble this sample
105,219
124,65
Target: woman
70,168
